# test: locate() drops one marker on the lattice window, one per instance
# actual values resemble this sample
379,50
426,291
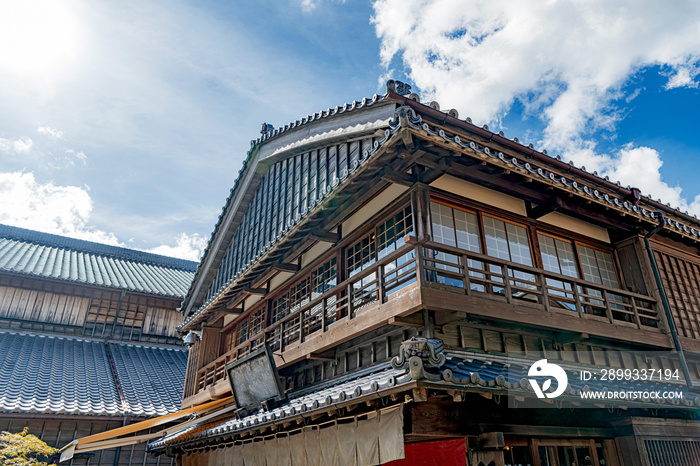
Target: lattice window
361,254
280,307
677,452
390,234
256,324
242,332
598,266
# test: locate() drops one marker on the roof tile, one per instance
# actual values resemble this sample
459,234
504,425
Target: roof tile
55,257
45,373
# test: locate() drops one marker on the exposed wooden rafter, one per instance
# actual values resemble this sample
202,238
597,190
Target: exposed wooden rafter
541,210
325,236
283,267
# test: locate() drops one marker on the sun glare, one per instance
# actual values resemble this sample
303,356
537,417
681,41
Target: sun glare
36,36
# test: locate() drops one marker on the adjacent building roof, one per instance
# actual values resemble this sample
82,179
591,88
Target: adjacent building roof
52,374
56,257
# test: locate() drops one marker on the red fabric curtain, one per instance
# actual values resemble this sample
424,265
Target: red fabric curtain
451,452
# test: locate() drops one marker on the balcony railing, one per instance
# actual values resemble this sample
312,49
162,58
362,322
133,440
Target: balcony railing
481,275
450,269
344,301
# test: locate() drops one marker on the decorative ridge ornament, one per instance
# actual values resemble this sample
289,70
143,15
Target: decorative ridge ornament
405,116
398,87
418,354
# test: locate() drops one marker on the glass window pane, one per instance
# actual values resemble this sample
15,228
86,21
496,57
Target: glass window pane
443,224
589,264
567,258
519,244
496,238
607,269
548,250
391,234
467,230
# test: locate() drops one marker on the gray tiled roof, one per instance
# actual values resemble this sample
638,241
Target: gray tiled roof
43,255
151,377
45,373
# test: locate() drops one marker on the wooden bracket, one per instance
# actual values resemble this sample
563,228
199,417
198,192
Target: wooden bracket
433,174
401,178
544,209
325,236
282,267
415,320
561,341
420,394
260,291
323,356
407,139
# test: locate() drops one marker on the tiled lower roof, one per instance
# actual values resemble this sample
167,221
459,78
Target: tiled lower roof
462,370
53,374
151,377
44,255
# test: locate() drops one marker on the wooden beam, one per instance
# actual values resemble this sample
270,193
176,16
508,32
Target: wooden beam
325,236
420,394
415,320
260,291
282,267
535,315
328,355
528,193
543,209
234,310
401,178
433,174
407,139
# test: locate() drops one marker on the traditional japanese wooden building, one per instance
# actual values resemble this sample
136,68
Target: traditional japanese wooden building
386,278
88,339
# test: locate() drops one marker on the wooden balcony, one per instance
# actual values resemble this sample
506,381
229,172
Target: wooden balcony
427,275
482,277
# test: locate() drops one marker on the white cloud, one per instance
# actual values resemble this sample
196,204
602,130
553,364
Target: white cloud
565,61
19,146
50,131
61,210
66,210
189,247
308,5
642,165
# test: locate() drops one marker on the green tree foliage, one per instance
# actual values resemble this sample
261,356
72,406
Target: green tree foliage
24,448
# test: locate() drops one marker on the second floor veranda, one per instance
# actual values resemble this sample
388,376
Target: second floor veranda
461,262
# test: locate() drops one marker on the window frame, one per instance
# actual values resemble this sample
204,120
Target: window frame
533,228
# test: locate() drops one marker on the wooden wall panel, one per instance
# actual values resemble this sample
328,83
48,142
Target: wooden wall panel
681,279
42,306
159,321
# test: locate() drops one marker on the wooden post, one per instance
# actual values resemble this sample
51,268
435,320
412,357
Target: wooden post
633,300
545,292
506,279
349,296
380,284
465,269
420,205
577,298
608,308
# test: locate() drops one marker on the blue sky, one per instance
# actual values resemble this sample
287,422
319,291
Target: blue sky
128,122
